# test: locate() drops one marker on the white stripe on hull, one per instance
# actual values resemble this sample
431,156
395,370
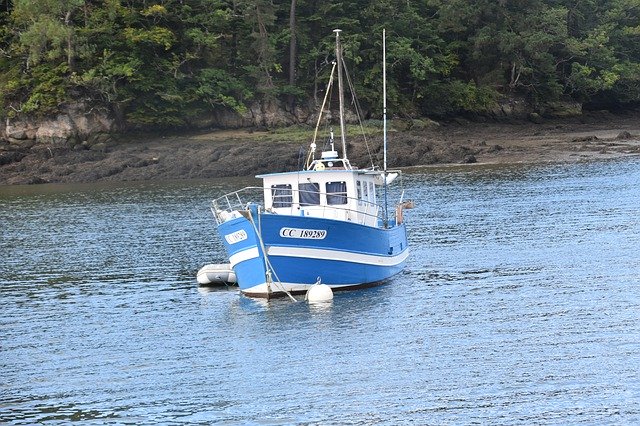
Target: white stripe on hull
241,256
345,256
290,287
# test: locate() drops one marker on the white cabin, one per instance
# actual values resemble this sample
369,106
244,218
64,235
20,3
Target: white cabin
340,194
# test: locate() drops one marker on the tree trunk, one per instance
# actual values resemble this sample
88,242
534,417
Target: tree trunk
264,55
292,51
71,59
292,43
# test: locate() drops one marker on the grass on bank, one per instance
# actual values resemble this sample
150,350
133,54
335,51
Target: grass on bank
370,128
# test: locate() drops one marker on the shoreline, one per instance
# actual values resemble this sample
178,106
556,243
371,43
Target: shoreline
233,153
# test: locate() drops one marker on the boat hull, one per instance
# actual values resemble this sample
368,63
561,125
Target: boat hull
302,250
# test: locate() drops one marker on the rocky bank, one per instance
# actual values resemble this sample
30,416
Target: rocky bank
95,153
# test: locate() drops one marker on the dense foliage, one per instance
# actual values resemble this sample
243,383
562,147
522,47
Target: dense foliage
163,61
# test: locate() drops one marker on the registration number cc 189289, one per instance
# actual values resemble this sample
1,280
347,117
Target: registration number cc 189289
309,234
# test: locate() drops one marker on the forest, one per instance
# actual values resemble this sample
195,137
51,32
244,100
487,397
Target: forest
163,62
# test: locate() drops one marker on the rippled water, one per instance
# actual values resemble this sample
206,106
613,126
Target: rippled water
520,304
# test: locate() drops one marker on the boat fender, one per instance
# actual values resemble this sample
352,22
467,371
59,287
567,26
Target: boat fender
319,293
319,167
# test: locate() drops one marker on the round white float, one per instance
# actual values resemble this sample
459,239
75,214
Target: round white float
319,293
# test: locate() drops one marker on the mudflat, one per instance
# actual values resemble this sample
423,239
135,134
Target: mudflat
225,153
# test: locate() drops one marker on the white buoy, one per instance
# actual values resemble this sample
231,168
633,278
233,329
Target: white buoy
319,293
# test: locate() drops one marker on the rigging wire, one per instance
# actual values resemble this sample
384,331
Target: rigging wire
356,104
324,102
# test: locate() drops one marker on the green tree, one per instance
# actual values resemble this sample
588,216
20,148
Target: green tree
164,62
606,68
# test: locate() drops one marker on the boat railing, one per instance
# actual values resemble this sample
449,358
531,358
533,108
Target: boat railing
366,212
236,200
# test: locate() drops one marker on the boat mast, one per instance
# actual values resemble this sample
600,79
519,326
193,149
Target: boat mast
340,93
384,120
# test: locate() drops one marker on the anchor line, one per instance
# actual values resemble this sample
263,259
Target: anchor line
267,262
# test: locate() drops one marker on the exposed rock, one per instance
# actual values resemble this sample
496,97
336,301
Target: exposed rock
20,128
534,117
305,113
414,124
21,144
8,157
78,122
271,114
562,109
267,114
424,123
264,115
99,138
401,125
590,138
35,180
460,121
88,124
100,147
242,153
624,135
222,119
42,152
512,107
56,131
72,122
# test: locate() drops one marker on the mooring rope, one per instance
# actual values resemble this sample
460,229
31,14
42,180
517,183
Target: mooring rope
267,263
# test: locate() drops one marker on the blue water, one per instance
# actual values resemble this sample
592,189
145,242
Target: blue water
520,305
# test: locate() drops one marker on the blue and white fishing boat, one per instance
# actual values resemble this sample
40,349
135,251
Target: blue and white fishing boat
324,223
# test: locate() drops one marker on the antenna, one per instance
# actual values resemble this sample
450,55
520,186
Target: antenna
384,94
331,139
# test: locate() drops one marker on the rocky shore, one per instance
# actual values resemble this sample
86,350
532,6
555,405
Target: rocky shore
223,153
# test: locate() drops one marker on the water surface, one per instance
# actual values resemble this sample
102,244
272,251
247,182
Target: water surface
520,304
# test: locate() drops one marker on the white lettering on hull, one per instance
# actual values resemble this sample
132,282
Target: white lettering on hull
236,237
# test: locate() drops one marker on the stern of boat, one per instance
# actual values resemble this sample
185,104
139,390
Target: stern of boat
244,250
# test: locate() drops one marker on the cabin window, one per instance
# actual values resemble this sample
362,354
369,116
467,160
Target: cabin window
282,195
372,193
309,194
359,192
336,193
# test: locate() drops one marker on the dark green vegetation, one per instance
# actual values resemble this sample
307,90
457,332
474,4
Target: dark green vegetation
166,61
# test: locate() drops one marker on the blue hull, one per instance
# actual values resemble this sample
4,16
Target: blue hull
300,250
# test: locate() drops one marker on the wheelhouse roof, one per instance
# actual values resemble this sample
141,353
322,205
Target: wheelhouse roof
320,173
